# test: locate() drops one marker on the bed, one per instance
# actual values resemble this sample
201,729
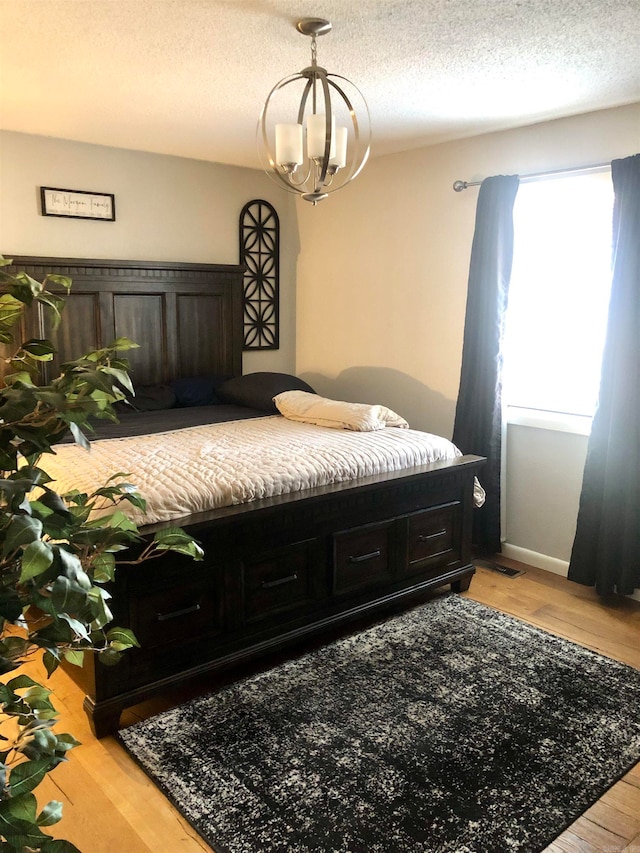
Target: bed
293,549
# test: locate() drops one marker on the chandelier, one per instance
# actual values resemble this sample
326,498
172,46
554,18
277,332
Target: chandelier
327,145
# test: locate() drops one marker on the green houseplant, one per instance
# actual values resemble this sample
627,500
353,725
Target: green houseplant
55,555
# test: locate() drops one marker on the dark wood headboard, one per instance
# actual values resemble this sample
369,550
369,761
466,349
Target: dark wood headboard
187,318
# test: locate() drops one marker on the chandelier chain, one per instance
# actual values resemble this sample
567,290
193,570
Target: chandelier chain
314,64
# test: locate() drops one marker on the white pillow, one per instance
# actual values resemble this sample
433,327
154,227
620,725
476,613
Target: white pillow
336,414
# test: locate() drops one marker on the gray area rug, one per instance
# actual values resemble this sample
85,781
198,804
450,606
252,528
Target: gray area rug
449,728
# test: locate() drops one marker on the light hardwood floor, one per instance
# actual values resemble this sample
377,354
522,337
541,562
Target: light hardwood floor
110,806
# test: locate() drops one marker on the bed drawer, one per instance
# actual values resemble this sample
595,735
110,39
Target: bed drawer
432,537
280,582
177,613
362,557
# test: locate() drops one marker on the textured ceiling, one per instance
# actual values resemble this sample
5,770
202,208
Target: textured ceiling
189,77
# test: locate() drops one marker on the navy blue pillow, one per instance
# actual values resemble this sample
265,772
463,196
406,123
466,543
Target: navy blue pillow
257,390
197,390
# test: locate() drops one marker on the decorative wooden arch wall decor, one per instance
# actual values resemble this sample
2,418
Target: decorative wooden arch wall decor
260,253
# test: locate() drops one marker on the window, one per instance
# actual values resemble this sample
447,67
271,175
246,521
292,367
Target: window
559,294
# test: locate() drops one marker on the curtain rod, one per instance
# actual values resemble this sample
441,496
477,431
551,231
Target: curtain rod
462,185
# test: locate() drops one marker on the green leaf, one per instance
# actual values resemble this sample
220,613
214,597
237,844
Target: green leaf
120,521
104,567
35,696
101,613
36,558
72,568
55,303
100,382
21,681
39,349
135,499
40,510
57,845
53,501
123,344
22,529
79,437
62,280
51,660
50,814
23,836
25,288
28,775
56,632
66,742
68,596
51,398
121,376
23,807
73,656
175,539
76,497
8,664
109,657
10,604
20,835
43,741
36,475
10,310
14,491
7,696
123,637
79,628
104,402
20,378
13,650
118,476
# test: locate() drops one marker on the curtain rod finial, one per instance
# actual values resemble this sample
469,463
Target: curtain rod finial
459,186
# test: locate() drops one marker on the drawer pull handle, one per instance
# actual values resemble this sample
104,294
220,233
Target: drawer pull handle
164,617
423,538
363,557
279,582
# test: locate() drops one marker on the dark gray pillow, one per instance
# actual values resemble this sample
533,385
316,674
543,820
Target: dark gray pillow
257,390
148,398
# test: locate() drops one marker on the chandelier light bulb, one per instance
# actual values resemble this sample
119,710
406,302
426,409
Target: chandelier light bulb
289,146
317,135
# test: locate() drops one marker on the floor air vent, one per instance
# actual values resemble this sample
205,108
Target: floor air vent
496,567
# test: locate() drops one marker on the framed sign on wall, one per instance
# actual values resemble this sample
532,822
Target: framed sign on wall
77,204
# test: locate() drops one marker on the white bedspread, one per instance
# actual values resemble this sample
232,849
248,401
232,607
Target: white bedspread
200,468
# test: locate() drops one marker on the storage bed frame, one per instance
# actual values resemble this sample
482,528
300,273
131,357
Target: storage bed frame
275,570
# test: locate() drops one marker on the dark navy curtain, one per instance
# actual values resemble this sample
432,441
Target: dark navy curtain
478,422
606,549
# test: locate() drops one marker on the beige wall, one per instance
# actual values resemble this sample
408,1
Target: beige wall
382,274
382,281
377,313
167,209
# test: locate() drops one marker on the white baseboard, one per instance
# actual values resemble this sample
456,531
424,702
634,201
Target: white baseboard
533,558
543,561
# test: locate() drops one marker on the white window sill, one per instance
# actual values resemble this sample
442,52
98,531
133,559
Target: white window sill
559,421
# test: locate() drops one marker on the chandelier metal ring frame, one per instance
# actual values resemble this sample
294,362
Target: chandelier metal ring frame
318,176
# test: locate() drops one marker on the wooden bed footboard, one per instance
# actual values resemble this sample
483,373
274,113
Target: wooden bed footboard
280,570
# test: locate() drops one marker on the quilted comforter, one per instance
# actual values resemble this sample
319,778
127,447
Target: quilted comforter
192,470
